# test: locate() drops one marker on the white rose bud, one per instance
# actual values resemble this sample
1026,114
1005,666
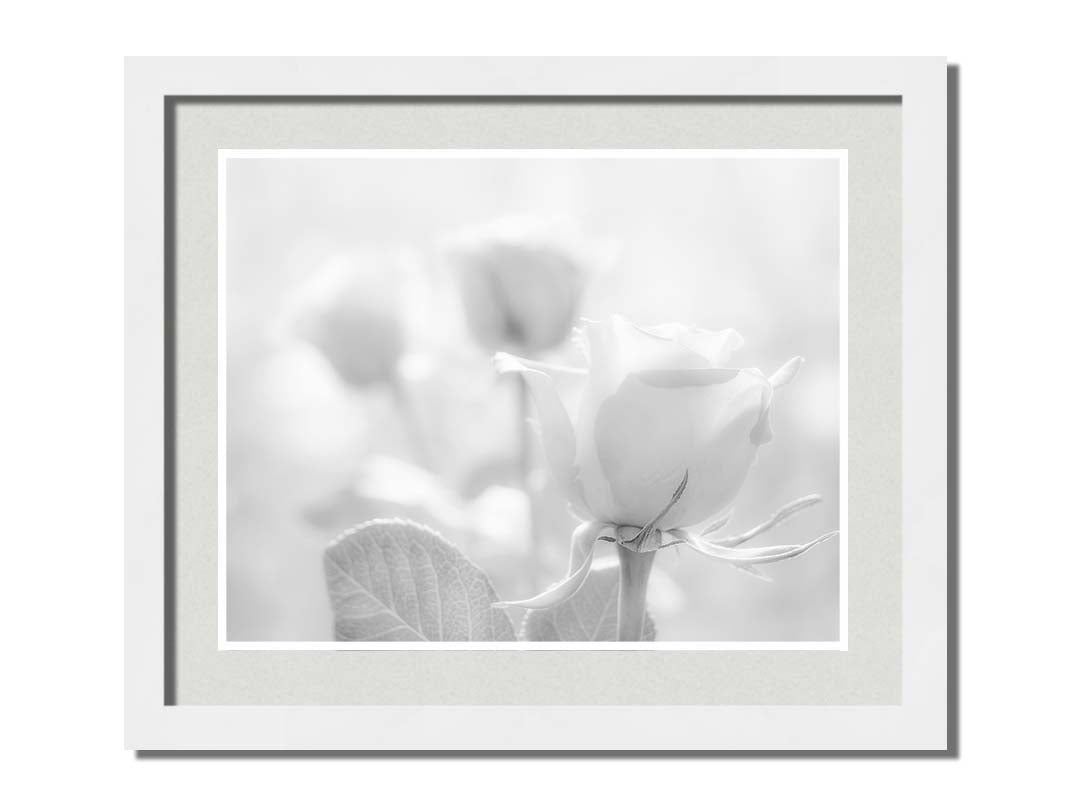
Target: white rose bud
521,282
658,404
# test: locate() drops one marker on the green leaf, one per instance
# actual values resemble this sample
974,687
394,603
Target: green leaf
591,615
394,580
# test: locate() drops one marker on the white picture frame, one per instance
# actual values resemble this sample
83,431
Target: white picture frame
920,722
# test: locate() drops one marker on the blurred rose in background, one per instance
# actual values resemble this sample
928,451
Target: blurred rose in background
365,298
522,281
350,312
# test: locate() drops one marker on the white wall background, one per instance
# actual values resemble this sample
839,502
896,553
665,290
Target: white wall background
61,414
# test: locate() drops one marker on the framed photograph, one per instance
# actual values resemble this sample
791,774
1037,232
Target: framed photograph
537,404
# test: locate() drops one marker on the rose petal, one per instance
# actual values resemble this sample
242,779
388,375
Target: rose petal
557,433
603,380
646,437
714,346
685,378
639,348
786,372
761,432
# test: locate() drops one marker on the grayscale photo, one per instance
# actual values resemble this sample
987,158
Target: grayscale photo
532,399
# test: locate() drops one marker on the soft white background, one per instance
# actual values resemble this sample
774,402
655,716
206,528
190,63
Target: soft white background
61,404
714,242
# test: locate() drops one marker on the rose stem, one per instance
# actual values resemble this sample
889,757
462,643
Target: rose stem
416,432
523,466
634,569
